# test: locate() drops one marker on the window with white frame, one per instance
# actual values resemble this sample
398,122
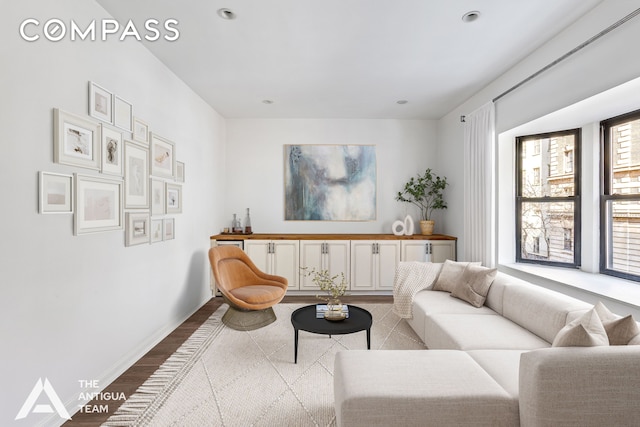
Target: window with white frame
548,198
620,196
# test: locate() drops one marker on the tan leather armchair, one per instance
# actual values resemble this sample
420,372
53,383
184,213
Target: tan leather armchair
250,293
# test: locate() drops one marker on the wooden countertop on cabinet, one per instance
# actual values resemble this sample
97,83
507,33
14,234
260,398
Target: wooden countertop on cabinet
276,236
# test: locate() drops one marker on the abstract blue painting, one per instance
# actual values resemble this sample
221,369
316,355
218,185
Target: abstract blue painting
330,182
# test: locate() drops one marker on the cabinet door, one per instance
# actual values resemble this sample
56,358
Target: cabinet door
442,250
311,257
414,250
388,254
337,256
258,251
285,261
362,265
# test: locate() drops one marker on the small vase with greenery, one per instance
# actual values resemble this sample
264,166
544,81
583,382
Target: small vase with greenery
426,192
334,286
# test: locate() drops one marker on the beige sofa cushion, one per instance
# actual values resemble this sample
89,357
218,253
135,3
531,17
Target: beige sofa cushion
539,310
450,275
586,331
502,365
427,303
477,331
419,388
474,284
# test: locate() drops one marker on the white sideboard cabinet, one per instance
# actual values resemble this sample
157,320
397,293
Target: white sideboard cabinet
368,261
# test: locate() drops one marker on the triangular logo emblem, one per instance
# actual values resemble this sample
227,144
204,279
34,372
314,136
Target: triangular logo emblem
30,405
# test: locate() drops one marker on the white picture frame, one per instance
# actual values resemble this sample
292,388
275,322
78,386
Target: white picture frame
179,171
100,103
76,140
136,176
140,131
157,230
168,229
111,150
138,228
56,193
174,198
157,196
163,161
122,113
98,204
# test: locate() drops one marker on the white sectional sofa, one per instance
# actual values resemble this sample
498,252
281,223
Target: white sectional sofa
494,365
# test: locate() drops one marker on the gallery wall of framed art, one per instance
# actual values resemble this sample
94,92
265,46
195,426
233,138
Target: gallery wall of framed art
125,176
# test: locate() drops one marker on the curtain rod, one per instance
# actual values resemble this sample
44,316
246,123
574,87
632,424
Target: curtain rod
571,52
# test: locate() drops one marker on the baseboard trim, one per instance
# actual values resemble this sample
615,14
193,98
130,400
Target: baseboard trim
121,366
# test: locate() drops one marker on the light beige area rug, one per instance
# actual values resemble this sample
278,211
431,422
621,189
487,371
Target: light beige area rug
223,377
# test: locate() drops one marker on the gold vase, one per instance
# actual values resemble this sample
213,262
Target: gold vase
334,304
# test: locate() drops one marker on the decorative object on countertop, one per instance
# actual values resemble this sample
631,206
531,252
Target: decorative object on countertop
236,226
409,227
247,223
425,191
403,228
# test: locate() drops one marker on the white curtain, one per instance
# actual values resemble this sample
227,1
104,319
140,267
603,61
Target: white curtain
479,185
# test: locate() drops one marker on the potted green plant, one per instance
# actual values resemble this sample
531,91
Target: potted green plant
334,286
425,192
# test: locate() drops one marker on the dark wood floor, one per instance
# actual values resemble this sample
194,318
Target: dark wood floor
137,374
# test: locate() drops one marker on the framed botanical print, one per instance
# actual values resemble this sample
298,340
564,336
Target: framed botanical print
157,232
76,140
163,162
158,191
111,150
138,229
169,229
136,176
56,193
174,198
98,204
100,103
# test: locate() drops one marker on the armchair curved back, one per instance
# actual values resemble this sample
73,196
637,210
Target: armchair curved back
233,269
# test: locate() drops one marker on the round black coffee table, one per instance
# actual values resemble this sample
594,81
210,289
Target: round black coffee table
305,319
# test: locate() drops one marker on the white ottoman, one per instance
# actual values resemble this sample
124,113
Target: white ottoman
418,388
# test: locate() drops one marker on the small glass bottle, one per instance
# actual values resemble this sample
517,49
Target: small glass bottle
247,223
235,225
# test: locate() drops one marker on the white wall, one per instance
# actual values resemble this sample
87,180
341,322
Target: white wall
86,307
255,167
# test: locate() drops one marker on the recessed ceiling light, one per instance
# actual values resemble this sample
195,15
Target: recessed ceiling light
267,101
471,16
402,101
225,13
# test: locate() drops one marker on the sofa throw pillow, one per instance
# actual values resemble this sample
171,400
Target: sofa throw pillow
586,331
620,330
450,275
635,340
474,285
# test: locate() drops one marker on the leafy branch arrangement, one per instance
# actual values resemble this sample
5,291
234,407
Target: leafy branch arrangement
424,191
327,283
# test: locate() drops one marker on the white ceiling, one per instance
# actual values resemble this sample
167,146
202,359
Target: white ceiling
346,58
